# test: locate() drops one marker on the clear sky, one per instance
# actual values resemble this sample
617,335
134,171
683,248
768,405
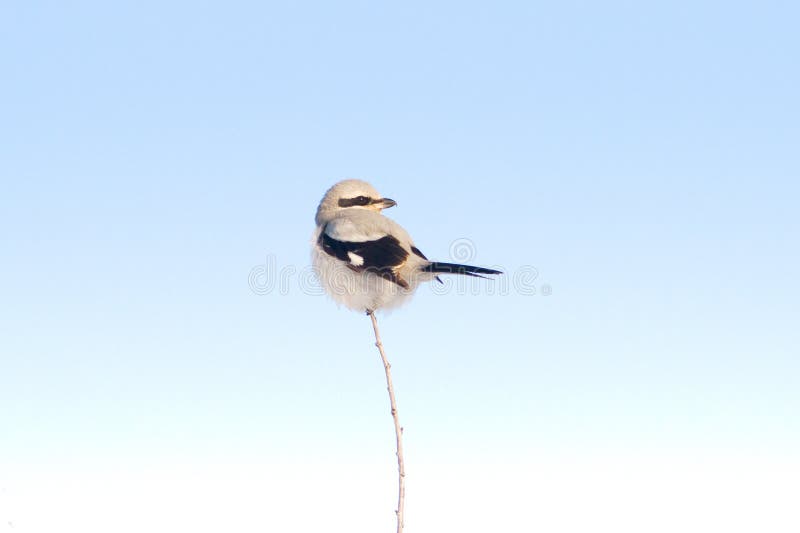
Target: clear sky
161,163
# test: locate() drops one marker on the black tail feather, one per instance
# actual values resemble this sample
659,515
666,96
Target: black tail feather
454,268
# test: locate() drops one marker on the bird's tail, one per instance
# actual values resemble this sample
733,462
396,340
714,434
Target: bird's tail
454,268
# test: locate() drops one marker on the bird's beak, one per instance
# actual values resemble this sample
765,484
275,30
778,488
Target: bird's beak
384,203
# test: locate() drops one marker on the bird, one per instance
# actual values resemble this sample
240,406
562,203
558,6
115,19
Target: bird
365,260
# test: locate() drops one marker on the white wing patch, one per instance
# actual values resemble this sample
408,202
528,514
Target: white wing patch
355,259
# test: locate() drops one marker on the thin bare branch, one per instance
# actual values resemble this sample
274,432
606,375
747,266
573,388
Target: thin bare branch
398,430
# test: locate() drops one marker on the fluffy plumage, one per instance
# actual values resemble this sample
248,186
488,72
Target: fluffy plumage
365,260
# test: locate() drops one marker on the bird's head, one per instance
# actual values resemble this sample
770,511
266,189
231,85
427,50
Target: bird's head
350,194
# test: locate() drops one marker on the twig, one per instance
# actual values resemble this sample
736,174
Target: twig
398,430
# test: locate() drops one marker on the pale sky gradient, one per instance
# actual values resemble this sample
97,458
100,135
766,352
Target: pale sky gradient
643,158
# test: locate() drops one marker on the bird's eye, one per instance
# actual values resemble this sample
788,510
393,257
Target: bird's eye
357,200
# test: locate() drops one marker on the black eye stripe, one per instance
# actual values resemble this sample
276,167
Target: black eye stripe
358,200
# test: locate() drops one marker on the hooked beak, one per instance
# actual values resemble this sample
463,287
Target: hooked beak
384,203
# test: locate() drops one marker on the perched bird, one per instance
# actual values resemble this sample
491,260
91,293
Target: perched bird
365,260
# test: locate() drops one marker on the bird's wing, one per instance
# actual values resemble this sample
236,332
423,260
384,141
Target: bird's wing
364,249
419,253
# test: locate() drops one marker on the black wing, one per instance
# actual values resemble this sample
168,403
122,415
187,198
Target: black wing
382,256
419,253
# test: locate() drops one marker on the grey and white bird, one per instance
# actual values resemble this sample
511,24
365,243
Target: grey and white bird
366,261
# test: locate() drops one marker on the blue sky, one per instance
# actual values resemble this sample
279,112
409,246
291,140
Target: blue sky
642,158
